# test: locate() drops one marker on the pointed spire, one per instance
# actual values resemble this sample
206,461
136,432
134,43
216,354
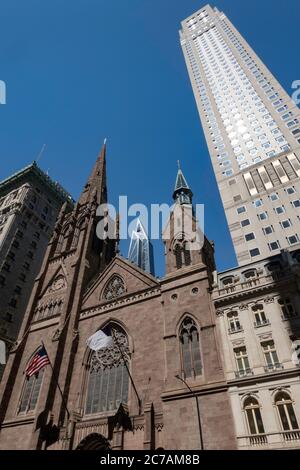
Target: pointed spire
182,192
96,184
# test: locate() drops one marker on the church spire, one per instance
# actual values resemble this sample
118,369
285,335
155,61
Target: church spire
182,192
96,184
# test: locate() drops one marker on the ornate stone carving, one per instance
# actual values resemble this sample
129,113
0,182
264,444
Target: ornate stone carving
113,356
115,288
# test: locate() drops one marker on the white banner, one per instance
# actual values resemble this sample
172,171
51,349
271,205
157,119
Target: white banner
99,340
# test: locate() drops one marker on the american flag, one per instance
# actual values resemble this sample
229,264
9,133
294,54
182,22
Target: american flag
39,360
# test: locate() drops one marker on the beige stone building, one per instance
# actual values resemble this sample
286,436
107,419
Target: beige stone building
29,205
257,309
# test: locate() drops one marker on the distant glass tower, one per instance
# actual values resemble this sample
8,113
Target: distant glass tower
141,249
252,129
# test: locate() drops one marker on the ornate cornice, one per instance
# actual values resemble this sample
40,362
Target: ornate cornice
121,302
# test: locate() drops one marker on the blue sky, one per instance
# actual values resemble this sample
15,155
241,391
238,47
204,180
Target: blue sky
78,71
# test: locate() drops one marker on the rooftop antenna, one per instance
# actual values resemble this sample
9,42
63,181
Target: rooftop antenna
41,153
178,164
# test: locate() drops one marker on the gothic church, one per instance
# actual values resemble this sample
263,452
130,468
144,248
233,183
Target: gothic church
163,387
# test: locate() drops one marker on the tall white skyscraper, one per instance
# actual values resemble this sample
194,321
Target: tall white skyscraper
141,250
252,129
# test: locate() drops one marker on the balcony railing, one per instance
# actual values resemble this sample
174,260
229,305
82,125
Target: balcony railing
243,373
291,435
258,324
258,439
279,439
235,330
272,367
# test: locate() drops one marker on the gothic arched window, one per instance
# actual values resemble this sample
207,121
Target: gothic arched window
286,411
254,419
190,349
108,380
182,254
178,257
30,392
115,288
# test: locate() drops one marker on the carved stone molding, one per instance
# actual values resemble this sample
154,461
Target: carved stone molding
120,303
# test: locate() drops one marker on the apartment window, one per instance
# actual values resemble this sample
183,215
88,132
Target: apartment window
254,252
274,245
286,223
2,280
268,230
18,290
26,266
287,308
242,360
20,234
263,216
242,209
290,190
11,255
234,324
22,277
249,236
296,203
270,354
16,244
36,235
274,197
293,239
257,203
254,419
30,254
279,210
13,303
259,315
245,222
6,267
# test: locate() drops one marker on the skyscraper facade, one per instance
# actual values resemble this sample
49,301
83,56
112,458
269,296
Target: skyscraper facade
29,204
252,129
140,249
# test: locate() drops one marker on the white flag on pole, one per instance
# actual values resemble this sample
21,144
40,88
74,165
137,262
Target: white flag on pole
2,353
99,340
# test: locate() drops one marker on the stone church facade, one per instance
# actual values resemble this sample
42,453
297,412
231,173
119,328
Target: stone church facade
162,385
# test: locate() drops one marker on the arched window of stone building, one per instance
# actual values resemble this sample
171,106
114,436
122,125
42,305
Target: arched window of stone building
30,392
115,288
178,257
286,411
108,380
254,419
182,254
190,349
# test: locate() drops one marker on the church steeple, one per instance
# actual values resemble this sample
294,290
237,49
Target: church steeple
182,192
96,184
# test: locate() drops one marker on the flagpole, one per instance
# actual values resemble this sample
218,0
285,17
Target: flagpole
56,381
131,379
